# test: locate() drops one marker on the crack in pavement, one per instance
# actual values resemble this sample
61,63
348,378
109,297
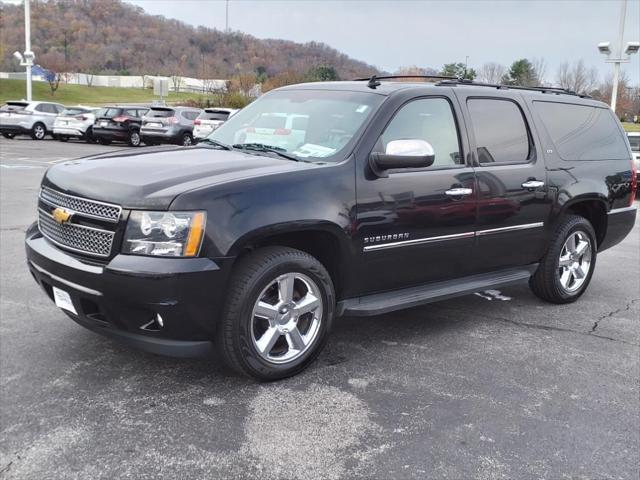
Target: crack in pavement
626,308
547,327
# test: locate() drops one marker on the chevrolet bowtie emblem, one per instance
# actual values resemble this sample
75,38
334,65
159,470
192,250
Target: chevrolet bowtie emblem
61,215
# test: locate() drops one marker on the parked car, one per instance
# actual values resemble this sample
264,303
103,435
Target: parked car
210,119
400,194
169,125
28,118
634,141
283,130
119,123
75,122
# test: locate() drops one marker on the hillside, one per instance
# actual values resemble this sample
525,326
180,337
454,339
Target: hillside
109,36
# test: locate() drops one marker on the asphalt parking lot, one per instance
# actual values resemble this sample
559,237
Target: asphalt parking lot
491,386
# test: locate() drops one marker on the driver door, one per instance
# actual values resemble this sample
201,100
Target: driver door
417,225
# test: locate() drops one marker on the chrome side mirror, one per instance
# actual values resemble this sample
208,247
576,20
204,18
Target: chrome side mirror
406,153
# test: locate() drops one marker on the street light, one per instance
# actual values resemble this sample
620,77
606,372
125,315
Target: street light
605,49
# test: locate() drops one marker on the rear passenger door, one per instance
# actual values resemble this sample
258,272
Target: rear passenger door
512,195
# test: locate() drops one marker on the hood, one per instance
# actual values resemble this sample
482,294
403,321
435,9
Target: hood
152,179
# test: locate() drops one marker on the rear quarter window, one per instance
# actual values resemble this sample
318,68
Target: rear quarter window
582,132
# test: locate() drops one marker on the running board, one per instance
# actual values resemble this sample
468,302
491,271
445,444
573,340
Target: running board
386,302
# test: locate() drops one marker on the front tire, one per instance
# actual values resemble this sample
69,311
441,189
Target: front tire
134,138
279,311
566,269
38,131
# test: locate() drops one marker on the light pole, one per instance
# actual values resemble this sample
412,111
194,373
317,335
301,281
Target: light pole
605,49
26,59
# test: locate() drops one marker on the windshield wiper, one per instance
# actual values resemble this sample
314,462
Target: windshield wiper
215,143
261,147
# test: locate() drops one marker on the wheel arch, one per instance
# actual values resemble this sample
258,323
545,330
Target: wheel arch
326,242
591,207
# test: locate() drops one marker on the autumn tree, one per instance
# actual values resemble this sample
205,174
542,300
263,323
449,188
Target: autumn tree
55,65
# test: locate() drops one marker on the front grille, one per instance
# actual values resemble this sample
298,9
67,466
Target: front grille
76,237
88,208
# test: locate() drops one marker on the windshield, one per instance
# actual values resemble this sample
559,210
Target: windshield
635,143
13,106
312,125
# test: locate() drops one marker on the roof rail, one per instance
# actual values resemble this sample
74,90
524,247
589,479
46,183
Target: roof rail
556,90
373,81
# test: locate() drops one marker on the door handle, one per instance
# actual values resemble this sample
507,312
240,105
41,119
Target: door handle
532,184
458,192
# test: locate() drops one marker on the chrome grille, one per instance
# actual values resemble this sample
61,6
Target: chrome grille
88,208
76,237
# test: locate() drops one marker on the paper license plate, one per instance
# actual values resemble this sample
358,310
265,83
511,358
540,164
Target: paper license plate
104,124
63,300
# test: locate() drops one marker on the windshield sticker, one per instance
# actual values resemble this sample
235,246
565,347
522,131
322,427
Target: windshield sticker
312,150
362,108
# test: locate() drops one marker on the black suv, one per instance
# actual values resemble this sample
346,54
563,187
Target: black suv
373,197
119,123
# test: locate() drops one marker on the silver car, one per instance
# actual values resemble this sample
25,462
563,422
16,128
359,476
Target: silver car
168,125
28,118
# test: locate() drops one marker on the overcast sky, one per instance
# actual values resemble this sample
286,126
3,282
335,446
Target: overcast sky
394,33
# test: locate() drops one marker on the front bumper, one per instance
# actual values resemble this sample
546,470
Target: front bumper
119,298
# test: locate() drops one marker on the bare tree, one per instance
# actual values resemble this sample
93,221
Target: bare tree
55,64
491,72
577,77
628,103
540,66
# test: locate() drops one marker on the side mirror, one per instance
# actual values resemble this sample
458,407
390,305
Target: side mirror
410,153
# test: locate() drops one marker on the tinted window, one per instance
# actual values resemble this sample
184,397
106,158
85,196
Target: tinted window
635,143
500,131
191,115
160,113
13,106
428,119
581,132
40,108
108,112
214,115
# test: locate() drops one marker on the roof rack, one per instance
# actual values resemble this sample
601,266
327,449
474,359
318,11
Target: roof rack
373,81
556,90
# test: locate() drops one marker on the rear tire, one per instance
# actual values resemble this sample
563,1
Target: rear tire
63,138
104,141
566,269
291,334
9,135
38,131
186,140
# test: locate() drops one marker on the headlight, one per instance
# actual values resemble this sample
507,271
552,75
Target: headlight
164,234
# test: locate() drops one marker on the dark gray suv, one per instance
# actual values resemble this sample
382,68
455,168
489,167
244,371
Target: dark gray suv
169,125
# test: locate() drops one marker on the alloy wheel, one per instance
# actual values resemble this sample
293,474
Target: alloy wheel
134,138
186,141
39,132
286,318
575,261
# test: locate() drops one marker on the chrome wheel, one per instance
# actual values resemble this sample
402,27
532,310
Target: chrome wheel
39,132
186,140
134,139
575,261
286,318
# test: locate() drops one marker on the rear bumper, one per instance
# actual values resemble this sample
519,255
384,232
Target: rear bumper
119,298
71,131
620,222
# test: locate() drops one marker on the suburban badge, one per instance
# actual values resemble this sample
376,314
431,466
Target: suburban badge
61,215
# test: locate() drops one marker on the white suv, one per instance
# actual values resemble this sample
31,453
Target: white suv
209,120
28,118
75,122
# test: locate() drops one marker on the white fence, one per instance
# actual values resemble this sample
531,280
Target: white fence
179,84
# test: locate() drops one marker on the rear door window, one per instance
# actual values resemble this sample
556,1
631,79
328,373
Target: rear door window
582,132
500,131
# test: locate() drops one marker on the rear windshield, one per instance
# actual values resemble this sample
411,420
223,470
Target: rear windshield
160,113
635,143
74,111
583,132
13,106
270,121
108,112
214,115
